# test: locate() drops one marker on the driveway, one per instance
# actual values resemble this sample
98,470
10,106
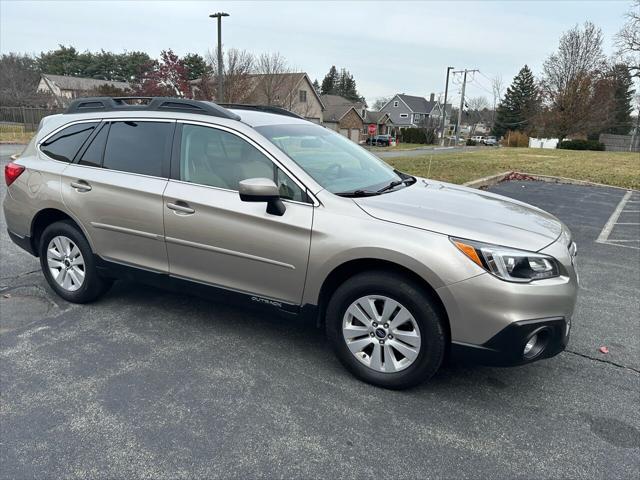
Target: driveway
147,383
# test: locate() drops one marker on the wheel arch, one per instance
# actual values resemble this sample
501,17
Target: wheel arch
46,217
353,267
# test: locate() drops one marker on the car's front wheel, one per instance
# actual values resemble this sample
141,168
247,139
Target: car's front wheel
68,264
386,330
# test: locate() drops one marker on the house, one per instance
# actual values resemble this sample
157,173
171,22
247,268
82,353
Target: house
64,87
381,120
291,91
409,111
344,116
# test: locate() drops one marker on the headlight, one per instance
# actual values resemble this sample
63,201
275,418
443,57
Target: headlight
507,263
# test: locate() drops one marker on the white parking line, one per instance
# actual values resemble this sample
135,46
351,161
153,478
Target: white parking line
606,231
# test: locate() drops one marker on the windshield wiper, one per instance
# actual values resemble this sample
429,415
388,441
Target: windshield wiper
397,183
357,193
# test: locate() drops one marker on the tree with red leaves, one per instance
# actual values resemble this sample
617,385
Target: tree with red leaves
168,77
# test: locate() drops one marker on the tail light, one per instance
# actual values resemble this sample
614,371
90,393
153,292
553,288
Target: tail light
11,172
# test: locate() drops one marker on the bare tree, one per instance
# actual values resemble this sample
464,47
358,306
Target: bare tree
475,107
19,79
628,40
237,71
570,77
379,103
273,85
497,85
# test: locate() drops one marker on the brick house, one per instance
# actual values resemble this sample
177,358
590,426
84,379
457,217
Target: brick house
344,116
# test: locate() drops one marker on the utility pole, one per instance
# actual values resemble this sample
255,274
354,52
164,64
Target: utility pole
444,106
464,85
219,15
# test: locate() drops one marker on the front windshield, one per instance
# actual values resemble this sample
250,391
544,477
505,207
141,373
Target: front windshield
335,162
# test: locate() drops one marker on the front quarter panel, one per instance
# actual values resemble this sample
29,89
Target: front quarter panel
342,232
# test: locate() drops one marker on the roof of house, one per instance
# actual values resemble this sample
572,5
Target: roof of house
82,84
339,100
371,116
334,113
417,104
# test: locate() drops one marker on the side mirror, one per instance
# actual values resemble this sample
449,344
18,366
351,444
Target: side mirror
262,190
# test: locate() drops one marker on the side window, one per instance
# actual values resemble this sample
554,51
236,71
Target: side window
92,155
138,147
65,144
216,158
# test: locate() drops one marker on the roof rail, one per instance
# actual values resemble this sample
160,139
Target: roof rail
261,108
154,104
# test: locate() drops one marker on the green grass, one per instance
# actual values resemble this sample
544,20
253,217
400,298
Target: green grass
620,169
399,146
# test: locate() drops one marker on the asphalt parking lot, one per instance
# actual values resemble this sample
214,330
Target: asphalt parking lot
151,384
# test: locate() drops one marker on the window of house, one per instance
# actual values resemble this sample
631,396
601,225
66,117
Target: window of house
303,96
138,147
404,115
221,159
65,144
395,104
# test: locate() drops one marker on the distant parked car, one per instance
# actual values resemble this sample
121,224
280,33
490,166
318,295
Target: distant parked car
380,140
478,139
490,141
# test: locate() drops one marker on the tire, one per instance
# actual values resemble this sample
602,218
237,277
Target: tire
425,321
66,240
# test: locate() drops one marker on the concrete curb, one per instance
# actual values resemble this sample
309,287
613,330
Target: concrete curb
500,177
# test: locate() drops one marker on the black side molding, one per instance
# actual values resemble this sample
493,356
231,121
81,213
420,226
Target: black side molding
22,242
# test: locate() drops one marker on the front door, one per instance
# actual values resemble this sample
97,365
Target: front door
214,237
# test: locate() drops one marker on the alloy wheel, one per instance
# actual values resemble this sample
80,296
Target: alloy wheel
66,263
381,333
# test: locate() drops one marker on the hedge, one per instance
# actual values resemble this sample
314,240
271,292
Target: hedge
581,145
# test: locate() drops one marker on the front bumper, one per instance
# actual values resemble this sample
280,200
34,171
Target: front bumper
506,348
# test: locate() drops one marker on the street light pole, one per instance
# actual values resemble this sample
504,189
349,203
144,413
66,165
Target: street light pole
444,106
219,15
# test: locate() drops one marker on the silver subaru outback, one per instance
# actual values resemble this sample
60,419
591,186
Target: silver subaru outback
256,205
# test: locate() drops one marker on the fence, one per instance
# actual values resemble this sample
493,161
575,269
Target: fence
620,143
27,117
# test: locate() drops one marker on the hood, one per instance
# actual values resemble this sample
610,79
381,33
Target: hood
465,213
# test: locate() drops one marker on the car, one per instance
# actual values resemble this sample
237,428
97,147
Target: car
490,141
479,139
257,206
380,140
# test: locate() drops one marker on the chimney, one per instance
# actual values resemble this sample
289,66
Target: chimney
432,97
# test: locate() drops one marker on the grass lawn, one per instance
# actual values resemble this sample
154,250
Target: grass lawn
14,133
621,169
399,146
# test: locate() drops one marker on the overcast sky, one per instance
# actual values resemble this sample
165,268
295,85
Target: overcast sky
389,47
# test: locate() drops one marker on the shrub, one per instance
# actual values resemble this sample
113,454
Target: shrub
515,139
581,145
471,143
418,135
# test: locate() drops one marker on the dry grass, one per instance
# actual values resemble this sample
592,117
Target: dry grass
14,133
620,169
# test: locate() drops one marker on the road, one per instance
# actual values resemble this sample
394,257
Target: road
382,153
151,384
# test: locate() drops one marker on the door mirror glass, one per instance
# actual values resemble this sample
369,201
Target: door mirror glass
262,190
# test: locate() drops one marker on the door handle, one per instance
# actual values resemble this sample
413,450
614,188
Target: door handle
81,186
181,207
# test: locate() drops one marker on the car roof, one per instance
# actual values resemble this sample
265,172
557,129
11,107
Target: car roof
256,118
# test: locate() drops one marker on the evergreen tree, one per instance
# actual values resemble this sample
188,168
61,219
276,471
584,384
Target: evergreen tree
196,65
316,86
519,104
622,93
329,82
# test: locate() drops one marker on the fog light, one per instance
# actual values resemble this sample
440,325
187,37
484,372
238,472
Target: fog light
530,344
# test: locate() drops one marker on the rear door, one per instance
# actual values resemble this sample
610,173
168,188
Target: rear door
115,189
214,237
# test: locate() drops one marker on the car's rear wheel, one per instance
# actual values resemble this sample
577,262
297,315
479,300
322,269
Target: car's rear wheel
386,330
68,264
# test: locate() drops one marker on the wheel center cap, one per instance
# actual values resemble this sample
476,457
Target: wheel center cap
380,333
67,263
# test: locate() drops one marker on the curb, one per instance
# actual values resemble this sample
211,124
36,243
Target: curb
500,177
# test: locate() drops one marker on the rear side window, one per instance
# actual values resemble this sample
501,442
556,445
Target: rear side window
65,144
92,156
138,147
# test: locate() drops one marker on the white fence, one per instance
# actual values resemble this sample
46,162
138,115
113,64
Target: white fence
543,142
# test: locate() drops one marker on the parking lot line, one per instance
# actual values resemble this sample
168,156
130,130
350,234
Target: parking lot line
608,227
